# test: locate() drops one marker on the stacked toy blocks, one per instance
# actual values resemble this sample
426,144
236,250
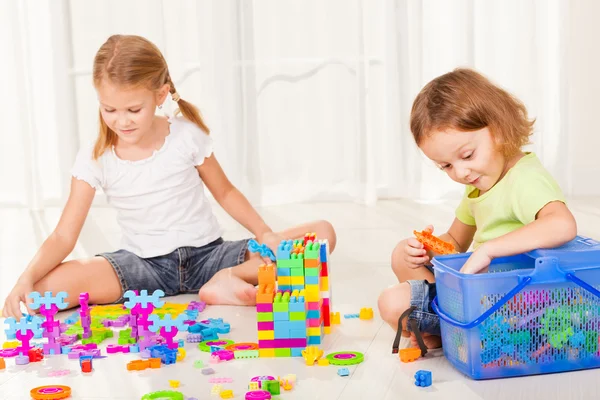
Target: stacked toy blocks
293,310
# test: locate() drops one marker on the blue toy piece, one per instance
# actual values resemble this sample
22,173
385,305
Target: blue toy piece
215,323
144,299
343,372
167,322
423,378
262,249
23,325
284,249
48,300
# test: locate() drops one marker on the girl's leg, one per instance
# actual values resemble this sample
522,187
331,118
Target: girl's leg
236,285
95,276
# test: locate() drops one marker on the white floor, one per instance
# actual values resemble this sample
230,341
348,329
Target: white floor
366,236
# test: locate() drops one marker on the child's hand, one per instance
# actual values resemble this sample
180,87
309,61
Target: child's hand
415,254
478,262
18,295
272,240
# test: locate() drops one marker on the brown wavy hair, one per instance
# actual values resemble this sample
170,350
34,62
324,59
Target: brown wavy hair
133,61
465,100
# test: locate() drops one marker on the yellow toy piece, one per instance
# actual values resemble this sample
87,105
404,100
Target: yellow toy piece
180,354
174,384
311,354
366,313
226,394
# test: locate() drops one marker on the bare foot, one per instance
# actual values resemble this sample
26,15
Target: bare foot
431,341
227,289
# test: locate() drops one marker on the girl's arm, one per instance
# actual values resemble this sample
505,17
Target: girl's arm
231,199
460,235
554,226
55,248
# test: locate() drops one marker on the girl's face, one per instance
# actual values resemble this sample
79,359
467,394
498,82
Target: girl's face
471,158
129,111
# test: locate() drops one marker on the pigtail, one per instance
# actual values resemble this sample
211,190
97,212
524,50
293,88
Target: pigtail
188,110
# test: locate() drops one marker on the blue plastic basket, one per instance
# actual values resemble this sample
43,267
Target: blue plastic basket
533,313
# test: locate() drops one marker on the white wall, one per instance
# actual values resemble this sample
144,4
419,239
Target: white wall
584,97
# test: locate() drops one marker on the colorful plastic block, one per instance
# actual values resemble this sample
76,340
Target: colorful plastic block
366,313
423,378
409,355
343,372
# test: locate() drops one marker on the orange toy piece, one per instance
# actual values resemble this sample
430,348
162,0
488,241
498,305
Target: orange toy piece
410,354
2,363
434,243
50,392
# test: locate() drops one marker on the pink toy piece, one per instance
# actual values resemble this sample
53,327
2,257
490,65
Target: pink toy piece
264,307
114,348
224,355
8,353
214,359
258,395
220,380
60,372
261,378
282,343
266,326
48,311
24,339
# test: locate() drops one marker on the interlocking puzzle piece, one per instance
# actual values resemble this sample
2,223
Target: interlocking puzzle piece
262,249
226,394
48,300
143,299
2,364
208,371
198,364
23,326
323,362
423,378
343,372
167,322
434,243
215,323
174,384
410,354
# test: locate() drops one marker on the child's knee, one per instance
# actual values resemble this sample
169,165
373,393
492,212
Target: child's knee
393,301
326,230
398,255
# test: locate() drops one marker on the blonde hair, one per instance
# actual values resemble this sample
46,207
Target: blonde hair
134,61
465,100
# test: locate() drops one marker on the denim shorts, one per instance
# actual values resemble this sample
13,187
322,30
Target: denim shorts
184,270
422,294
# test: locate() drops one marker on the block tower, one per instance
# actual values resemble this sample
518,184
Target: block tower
293,310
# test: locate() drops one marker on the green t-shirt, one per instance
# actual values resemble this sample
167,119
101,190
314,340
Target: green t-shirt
512,203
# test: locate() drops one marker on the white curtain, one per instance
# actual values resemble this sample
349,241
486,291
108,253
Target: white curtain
308,100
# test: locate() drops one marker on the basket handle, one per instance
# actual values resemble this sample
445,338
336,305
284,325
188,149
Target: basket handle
526,280
468,325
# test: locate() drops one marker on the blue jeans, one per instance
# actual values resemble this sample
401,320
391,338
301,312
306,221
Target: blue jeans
422,294
185,270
